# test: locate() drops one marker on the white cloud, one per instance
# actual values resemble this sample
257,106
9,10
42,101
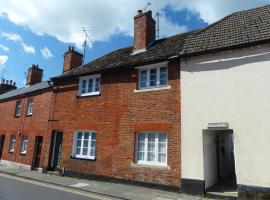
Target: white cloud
46,53
28,48
106,18
3,60
17,38
3,47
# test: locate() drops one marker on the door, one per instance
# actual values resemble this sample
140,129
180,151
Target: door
37,152
56,150
2,139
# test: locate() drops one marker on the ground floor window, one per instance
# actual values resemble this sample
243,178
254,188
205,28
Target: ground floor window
12,143
24,144
84,145
151,148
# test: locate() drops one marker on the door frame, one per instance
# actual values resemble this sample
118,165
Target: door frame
53,152
38,139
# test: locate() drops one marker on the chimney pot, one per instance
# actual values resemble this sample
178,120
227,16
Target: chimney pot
139,12
7,82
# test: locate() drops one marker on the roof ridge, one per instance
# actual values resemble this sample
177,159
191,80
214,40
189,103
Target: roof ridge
227,16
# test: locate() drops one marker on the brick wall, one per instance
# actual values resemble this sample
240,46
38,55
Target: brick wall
116,115
31,126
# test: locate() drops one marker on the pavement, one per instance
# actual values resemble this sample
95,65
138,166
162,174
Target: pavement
108,189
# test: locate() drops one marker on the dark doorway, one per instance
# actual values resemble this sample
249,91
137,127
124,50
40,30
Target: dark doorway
55,150
2,139
37,152
219,162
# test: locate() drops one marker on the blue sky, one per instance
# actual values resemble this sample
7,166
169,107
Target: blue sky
39,33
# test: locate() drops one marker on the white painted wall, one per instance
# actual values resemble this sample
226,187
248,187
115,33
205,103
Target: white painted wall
231,87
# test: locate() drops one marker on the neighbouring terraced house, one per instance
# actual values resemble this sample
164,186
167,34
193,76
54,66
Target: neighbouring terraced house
188,111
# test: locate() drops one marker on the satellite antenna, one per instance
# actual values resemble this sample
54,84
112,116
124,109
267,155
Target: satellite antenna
157,17
85,43
3,72
147,5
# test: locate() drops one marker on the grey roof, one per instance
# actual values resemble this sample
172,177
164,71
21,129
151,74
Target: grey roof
160,50
239,29
25,90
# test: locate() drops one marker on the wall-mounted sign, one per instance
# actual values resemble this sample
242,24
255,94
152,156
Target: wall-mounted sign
218,125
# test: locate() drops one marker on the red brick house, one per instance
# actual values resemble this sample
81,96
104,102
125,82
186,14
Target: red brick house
119,115
24,121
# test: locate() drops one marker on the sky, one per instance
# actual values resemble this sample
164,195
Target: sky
39,32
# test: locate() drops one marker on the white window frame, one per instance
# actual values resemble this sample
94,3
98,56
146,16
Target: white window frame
24,144
12,142
18,108
86,78
88,156
156,163
148,68
30,105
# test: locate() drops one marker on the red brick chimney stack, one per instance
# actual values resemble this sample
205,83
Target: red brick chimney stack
6,86
34,75
144,30
72,59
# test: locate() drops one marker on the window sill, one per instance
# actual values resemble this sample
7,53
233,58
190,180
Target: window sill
88,95
153,89
17,116
29,115
23,153
11,152
86,159
153,166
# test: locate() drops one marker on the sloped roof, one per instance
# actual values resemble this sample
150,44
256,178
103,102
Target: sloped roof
160,50
25,90
239,29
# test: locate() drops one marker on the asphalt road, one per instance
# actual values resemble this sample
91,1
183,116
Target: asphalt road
19,189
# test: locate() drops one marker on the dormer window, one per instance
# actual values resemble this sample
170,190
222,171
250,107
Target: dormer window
153,76
89,85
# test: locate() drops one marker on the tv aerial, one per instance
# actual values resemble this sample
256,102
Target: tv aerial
85,43
146,7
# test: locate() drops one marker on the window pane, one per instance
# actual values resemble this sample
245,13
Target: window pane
97,84
93,148
85,149
163,76
79,143
162,157
79,136
150,156
143,78
153,77
151,137
78,151
90,85
140,156
85,143
151,147
86,135
93,136
83,87
162,147
162,137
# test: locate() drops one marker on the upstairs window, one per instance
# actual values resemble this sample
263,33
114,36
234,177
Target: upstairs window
18,108
152,148
89,85
12,143
153,77
30,104
84,145
24,144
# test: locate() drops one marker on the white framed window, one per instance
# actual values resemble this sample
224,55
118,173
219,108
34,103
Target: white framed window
153,76
30,104
84,144
12,143
24,144
18,108
151,148
89,85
